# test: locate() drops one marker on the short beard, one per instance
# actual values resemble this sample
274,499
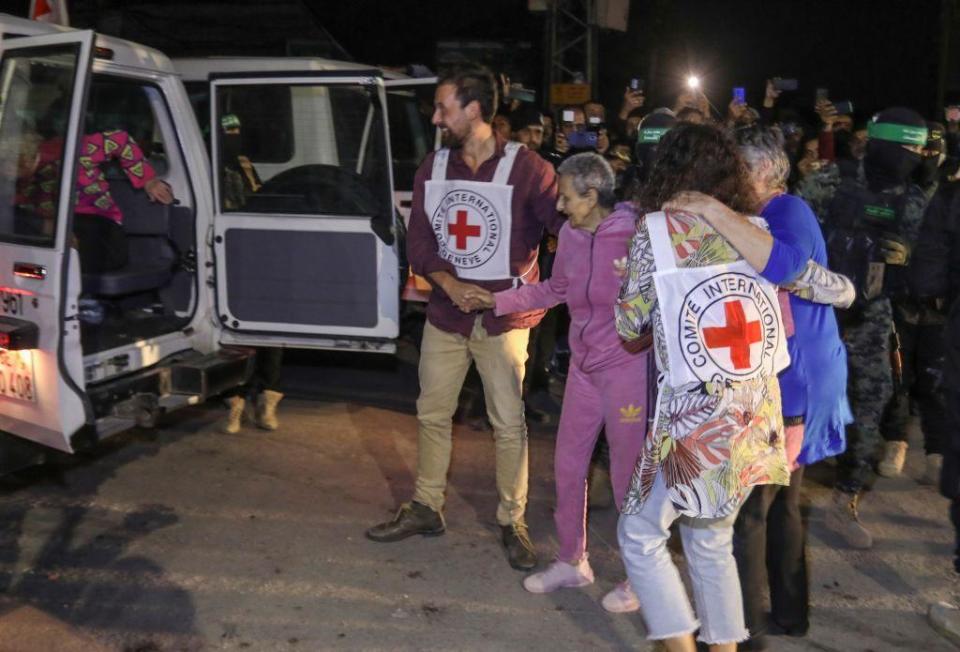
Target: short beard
450,140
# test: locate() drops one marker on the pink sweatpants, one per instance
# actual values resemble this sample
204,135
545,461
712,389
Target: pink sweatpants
616,399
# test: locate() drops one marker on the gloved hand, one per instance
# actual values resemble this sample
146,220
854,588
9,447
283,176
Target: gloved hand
894,250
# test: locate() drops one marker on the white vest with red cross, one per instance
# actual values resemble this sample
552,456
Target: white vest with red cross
722,323
472,219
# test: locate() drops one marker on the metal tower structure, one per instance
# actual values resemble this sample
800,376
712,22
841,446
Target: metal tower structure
571,43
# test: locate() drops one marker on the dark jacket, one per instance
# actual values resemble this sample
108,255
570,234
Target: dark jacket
935,278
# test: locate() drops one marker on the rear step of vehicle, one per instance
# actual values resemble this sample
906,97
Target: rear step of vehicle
185,379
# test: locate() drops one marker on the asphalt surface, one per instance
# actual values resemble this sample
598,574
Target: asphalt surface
183,538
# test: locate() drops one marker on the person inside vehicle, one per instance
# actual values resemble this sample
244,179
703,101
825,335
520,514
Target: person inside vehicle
240,177
97,221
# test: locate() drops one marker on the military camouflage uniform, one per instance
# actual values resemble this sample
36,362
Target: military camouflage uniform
866,333
920,331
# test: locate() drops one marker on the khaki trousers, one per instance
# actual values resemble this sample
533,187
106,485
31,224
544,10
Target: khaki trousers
444,361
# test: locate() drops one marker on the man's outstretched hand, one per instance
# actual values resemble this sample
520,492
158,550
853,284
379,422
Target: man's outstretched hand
481,299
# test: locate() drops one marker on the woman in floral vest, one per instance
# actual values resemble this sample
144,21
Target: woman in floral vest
718,430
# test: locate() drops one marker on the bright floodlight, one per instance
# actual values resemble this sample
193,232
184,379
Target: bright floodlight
693,82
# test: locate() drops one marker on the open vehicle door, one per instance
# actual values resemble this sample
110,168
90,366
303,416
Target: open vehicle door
305,233
412,137
412,134
43,85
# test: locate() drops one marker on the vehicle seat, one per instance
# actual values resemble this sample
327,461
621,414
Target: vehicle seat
152,256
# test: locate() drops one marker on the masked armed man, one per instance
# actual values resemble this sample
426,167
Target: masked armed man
869,224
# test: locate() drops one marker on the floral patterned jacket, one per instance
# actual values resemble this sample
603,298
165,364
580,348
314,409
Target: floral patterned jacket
92,189
711,441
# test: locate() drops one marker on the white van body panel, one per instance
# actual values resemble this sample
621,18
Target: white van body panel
48,406
66,378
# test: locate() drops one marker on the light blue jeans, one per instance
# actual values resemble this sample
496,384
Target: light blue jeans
708,548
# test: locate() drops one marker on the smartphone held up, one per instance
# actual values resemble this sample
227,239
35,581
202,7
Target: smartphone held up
781,84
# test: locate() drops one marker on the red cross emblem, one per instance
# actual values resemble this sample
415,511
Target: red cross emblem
462,230
737,335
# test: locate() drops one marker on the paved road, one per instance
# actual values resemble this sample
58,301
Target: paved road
186,539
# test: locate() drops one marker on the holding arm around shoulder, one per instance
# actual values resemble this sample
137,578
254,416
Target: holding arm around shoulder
753,243
797,272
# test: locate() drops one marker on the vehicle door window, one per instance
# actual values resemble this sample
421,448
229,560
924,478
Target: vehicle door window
337,162
411,132
35,93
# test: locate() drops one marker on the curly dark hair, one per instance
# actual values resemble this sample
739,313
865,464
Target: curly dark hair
698,157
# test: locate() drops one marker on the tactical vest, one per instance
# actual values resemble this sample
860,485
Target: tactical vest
858,219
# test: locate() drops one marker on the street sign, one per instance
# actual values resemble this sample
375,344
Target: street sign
563,94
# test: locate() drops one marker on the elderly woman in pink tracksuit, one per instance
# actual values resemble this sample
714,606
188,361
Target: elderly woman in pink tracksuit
608,379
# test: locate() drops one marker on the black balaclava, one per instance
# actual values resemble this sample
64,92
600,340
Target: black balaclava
887,163
231,143
841,140
929,170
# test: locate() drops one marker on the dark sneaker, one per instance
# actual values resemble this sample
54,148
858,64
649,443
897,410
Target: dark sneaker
754,644
412,518
797,631
520,552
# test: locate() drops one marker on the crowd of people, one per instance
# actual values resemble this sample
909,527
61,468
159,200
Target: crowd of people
747,294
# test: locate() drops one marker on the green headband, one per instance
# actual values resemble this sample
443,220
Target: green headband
897,133
652,134
230,121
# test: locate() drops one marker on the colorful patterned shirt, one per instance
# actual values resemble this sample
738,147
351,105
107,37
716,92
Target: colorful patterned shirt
38,192
711,441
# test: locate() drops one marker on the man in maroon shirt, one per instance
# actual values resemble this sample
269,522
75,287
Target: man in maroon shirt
480,206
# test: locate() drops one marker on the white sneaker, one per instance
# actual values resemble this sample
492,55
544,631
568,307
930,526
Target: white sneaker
894,455
931,474
559,575
621,599
945,618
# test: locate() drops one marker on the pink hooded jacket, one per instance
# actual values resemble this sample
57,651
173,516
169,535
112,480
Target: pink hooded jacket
587,275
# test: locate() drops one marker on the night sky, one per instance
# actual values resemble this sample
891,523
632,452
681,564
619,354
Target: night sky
874,52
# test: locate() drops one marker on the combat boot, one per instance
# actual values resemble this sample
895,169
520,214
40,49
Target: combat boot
894,455
843,517
231,425
267,410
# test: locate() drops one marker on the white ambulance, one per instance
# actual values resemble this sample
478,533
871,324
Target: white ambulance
309,259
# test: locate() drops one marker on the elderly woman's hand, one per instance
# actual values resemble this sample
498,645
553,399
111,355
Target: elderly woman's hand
479,298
